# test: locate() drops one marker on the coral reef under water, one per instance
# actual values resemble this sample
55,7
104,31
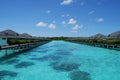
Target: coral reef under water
79,75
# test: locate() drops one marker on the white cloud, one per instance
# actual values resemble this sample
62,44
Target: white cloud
76,28
66,2
100,19
72,21
48,11
41,24
63,23
82,4
52,26
91,12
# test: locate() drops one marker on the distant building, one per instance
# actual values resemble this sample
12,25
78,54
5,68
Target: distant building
3,42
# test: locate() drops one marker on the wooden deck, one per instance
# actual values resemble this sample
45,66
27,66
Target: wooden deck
19,48
12,46
102,45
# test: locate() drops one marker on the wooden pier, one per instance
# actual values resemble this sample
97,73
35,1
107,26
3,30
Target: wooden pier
108,46
19,48
102,45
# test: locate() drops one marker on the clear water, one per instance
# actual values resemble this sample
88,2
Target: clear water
58,60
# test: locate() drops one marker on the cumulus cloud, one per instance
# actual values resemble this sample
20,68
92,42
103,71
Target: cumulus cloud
100,19
41,24
66,2
72,21
52,26
76,28
91,12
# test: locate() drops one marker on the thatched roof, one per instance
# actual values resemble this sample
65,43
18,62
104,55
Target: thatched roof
99,35
8,33
12,34
25,35
114,35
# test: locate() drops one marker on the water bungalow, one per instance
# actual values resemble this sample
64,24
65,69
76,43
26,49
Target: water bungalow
109,43
3,42
8,48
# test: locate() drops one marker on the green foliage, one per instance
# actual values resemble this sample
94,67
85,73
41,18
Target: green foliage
22,41
58,38
113,41
103,41
87,40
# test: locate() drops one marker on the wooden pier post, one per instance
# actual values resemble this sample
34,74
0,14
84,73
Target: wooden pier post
5,52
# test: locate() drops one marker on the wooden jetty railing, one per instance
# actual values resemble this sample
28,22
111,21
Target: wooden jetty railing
19,48
102,45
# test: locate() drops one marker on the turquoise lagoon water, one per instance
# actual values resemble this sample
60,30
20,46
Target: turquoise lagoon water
60,60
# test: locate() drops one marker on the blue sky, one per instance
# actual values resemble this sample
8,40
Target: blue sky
60,17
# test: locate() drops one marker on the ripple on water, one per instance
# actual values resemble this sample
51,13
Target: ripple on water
62,52
47,57
24,64
5,73
13,61
40,51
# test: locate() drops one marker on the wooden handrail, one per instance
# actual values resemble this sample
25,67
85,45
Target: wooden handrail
17,45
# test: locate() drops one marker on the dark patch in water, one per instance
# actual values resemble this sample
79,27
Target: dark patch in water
40,51
34,55
52,57
64,66
60,50
53,64
36,50
55,45
35,59
27,54
24,64
42,48
5,73
48,57
12,61
63,53
79,75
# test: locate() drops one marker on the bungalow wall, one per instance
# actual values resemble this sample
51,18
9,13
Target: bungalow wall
3,42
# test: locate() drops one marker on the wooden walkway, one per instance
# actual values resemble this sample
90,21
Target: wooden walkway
102,45
13,46
5,50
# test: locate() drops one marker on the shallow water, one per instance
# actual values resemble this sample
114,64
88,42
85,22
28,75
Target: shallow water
60,60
